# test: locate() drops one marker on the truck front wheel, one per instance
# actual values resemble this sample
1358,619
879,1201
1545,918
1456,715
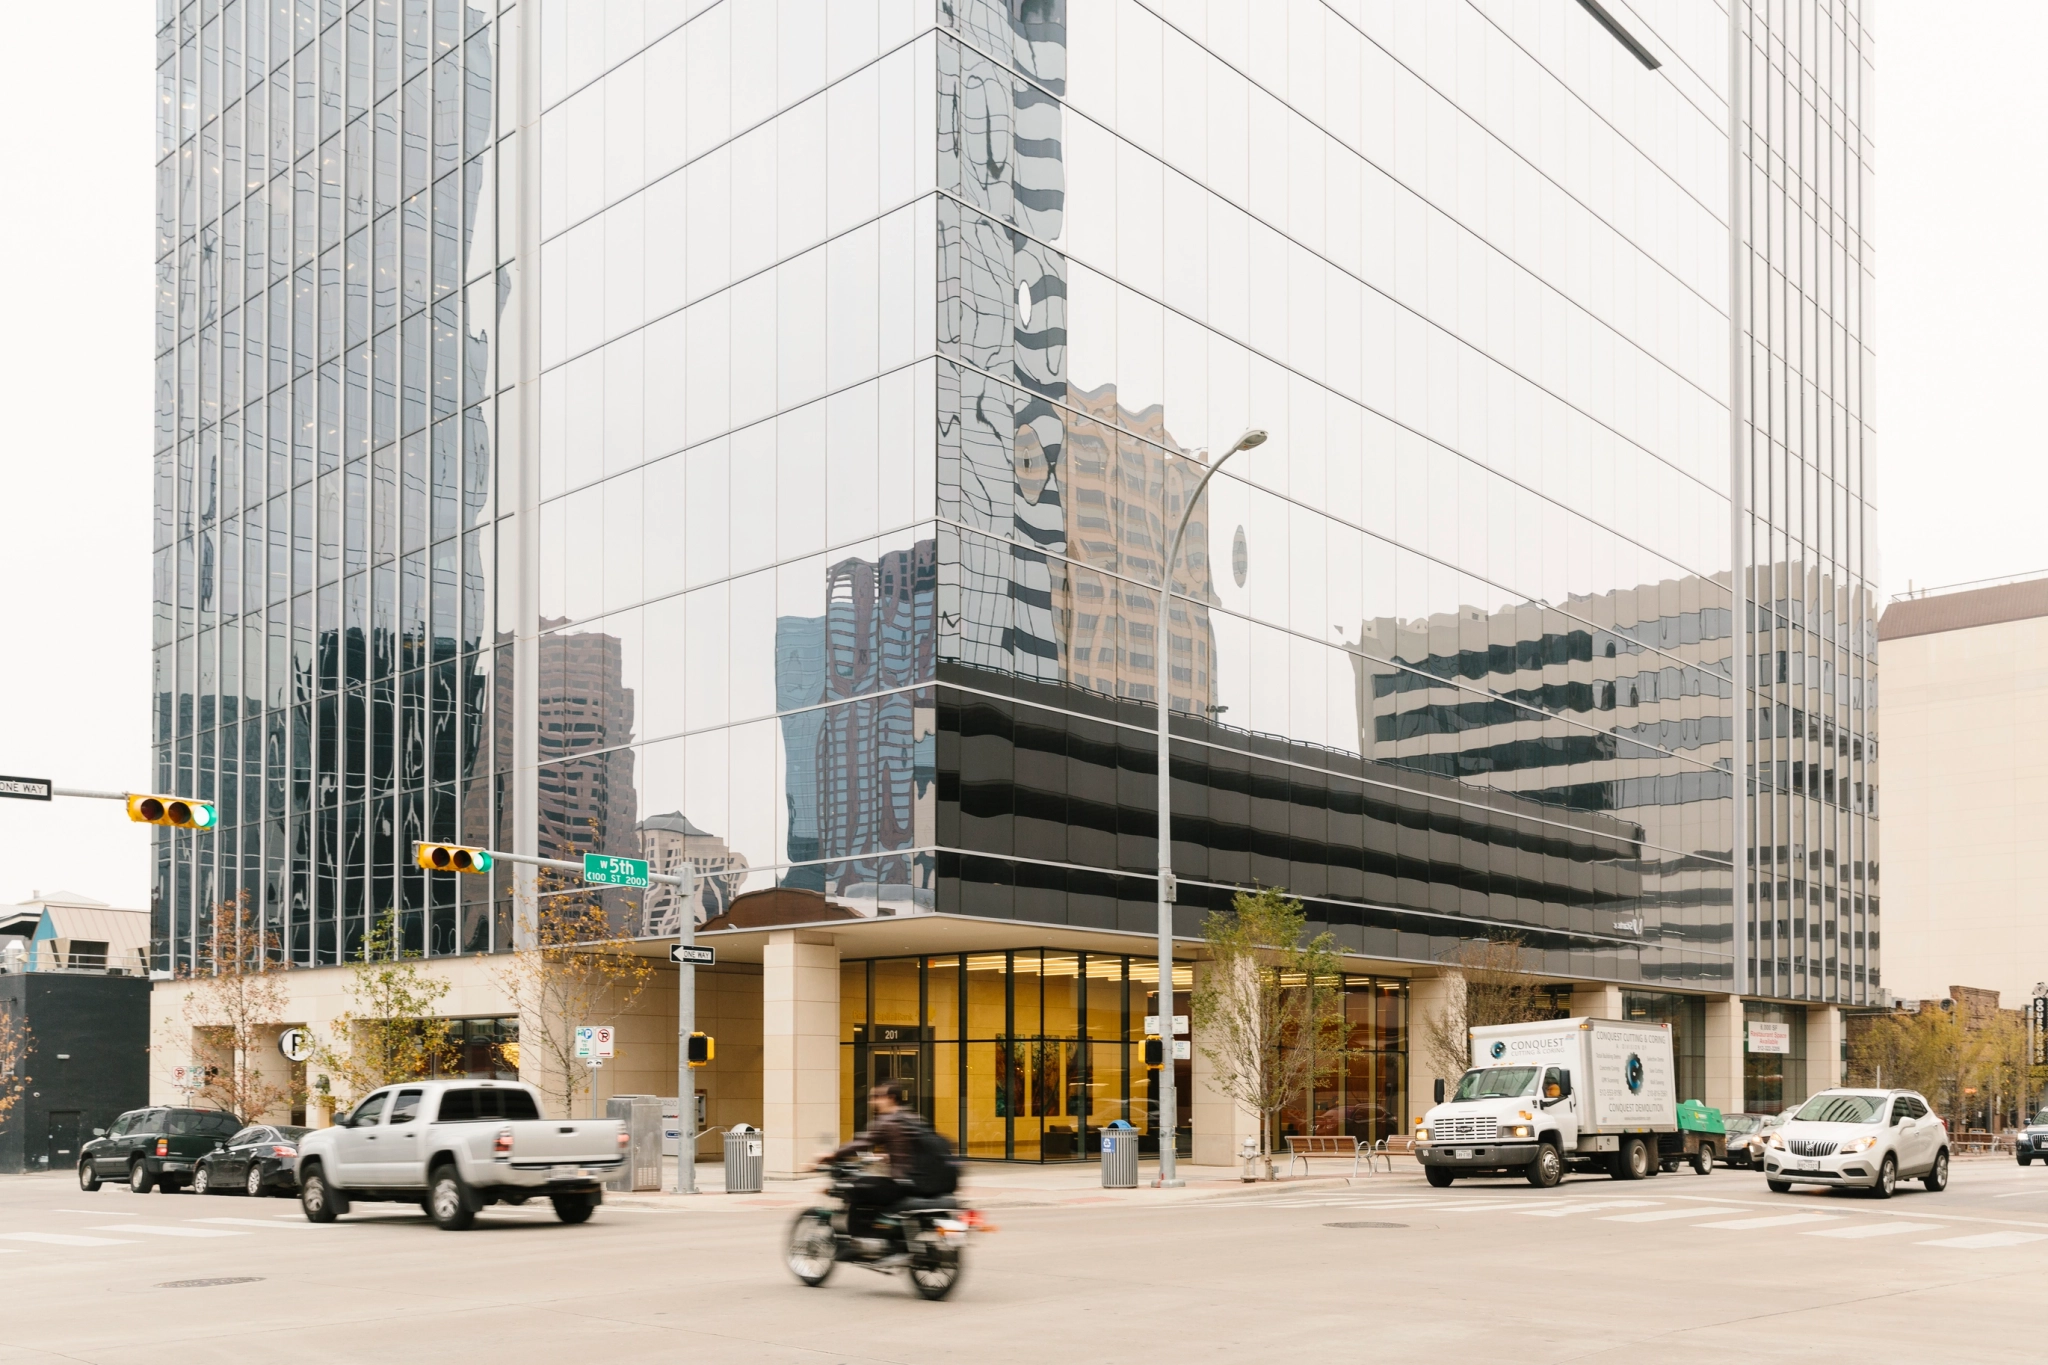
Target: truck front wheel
1439,1176
1547,1169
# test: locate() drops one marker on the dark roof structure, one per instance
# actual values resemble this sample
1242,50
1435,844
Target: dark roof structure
1931,615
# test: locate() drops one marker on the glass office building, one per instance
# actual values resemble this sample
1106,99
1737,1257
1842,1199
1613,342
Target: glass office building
748,433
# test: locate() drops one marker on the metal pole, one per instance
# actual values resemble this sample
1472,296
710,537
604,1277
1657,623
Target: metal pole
686,1024
1169,1103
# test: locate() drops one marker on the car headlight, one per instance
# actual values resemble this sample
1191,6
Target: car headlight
1862,1144
1421,1133
1775,1141
1518,1130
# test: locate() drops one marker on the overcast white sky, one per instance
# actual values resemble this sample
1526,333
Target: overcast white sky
1961,140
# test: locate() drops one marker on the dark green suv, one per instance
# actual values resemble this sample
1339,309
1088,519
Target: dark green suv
153,1149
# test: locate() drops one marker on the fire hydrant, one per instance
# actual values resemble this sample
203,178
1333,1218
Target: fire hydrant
1249,1155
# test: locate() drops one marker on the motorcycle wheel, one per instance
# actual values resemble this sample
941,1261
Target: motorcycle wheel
813,1247
934,1271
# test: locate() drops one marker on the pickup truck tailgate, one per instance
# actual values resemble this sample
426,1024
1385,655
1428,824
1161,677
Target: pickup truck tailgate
554,1142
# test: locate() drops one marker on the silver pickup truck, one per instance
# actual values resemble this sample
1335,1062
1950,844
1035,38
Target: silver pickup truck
453,1147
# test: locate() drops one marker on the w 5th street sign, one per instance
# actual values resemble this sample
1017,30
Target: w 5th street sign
602,869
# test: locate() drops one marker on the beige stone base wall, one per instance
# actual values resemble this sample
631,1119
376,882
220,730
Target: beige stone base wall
728,1008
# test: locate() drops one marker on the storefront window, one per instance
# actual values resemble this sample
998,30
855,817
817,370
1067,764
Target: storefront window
1687,1016
484,1048
1363,1091
1773,1082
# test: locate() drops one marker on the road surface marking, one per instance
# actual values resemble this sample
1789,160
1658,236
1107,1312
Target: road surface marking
1983,1240
63,1239
1660,1215
1564,1209
252,1222
1783,1220
159,1231
1874,1229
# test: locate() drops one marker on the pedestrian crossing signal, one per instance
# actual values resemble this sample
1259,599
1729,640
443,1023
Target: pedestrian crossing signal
1155,1053
703,1047
176,811
452,858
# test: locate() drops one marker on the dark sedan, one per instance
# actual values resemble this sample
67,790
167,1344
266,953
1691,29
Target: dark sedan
259,1160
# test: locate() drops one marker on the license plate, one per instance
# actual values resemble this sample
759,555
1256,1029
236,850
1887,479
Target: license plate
1463,1153
1807,1166
569,1172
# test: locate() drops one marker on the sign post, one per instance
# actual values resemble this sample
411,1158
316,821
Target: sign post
594,1048
687,956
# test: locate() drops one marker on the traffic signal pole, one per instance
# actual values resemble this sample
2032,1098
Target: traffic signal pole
686,1007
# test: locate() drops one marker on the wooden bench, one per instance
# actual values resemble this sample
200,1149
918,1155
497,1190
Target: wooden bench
1302,1147
1391,1147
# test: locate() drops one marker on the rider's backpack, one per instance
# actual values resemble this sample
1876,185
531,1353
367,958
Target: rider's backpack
933,1168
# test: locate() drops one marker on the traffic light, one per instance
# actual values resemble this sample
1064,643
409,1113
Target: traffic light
178,812
703,1047
451,858
1155,1053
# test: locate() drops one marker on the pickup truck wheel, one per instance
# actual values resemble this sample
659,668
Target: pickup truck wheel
320,1202
1439,1176
574,1208
448,1200
1547,1169
139,1178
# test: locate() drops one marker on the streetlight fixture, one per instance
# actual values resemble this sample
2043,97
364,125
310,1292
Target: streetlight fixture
1169,1104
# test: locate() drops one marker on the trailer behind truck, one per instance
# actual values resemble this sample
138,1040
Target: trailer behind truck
1561,1095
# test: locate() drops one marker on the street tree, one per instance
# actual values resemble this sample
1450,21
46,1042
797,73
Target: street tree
572,967
391,1031
16,1043
1268,1007
1489,984
235,1004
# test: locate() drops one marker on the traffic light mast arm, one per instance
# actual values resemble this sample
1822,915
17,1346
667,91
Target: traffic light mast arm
87,792
563,865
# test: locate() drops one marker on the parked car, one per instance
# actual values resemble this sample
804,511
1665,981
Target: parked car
454,1147
1746,1134
2031,1143
263,1159
153,1149
1868,1139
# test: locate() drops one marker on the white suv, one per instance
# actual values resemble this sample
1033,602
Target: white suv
1869,1139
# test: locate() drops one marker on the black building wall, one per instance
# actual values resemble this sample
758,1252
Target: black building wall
89,1061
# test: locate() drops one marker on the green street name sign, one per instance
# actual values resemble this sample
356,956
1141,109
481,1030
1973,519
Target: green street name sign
601,869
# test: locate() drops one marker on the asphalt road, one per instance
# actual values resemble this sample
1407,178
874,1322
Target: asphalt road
1592,1271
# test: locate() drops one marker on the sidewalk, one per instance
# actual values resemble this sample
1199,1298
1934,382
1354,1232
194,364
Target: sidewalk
1000,1185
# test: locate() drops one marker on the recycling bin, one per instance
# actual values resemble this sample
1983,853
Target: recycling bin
1119,1156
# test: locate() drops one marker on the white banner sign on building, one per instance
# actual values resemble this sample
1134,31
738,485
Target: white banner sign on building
1770,1037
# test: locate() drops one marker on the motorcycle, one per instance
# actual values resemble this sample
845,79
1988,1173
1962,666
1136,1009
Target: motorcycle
922,1236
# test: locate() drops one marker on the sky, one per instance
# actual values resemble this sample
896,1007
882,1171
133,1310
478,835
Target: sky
1960,134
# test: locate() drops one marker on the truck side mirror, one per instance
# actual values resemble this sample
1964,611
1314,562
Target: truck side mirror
1439,1090
1564,1086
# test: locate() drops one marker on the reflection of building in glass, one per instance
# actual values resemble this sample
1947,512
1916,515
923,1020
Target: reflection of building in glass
587,799
856,730
670,843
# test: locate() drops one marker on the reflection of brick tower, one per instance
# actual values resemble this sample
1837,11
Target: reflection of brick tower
878,635
668,843
587,801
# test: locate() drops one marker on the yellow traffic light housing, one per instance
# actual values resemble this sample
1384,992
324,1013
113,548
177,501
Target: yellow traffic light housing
451,858
1155,1052
703,1047
178,812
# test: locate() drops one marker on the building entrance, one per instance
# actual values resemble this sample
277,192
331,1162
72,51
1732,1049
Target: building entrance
886,1063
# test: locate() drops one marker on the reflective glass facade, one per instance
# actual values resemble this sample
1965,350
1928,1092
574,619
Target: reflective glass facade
809,528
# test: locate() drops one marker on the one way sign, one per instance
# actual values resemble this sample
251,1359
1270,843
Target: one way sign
692,954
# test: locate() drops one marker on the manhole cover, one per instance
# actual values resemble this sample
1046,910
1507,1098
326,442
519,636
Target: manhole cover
208,1284
1365,1225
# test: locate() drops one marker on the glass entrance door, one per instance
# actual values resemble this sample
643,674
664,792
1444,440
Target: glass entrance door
887,1064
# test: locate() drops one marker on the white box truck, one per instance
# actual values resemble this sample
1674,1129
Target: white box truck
1560,1095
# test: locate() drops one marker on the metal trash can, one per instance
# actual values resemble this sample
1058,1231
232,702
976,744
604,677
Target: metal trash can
1119,1156
642,1168
742,1160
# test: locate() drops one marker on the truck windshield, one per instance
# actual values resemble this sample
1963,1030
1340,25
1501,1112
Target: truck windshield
1842,1109
1496,1083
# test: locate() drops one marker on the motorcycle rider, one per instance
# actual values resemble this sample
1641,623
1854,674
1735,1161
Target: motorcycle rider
893,1130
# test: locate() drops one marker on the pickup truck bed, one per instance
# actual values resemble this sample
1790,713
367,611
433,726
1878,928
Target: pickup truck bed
455,1147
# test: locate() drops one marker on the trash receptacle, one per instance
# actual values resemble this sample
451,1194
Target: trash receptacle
742,1160
1119,1156
641,1169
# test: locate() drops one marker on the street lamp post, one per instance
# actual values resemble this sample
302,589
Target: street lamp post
1169,1105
